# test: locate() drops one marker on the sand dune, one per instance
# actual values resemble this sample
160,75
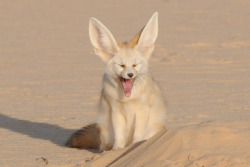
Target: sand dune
206,144
50,81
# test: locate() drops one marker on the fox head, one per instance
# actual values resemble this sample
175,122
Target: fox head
126,63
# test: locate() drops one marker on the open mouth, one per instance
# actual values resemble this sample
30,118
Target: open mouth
127,85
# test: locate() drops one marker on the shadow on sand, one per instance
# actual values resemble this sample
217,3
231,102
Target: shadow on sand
45,131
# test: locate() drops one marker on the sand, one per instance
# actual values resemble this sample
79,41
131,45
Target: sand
50,81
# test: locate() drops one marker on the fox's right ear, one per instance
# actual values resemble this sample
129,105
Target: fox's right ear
103,41
147,36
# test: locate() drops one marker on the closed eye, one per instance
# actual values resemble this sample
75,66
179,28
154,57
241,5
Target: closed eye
122,65
134,65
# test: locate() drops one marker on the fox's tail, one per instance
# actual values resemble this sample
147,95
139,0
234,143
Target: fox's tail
86,138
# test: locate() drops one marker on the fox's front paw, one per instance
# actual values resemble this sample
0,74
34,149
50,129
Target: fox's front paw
119,144
137,139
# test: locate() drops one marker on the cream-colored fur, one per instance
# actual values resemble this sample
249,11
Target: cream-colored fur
138,115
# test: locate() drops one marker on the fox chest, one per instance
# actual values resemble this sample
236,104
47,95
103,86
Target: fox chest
129,110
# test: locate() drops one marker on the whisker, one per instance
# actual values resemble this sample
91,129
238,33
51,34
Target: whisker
140,80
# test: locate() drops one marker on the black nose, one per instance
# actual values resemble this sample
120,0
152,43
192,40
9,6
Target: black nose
130,75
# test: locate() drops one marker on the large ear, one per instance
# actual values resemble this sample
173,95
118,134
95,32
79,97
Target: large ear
103,41
148,36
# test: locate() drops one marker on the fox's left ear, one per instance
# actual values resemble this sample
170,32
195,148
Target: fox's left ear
102,39
148,36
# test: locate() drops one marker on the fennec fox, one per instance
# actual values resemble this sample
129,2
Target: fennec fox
131,107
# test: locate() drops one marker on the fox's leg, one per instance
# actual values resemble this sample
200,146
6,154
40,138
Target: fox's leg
141,120
156,121
119,125
107,136
105,123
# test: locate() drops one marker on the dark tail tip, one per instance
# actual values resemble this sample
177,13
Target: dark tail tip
86,138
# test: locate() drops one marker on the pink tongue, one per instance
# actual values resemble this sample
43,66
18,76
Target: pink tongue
127,86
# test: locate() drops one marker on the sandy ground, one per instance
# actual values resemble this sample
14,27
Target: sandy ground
50,81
